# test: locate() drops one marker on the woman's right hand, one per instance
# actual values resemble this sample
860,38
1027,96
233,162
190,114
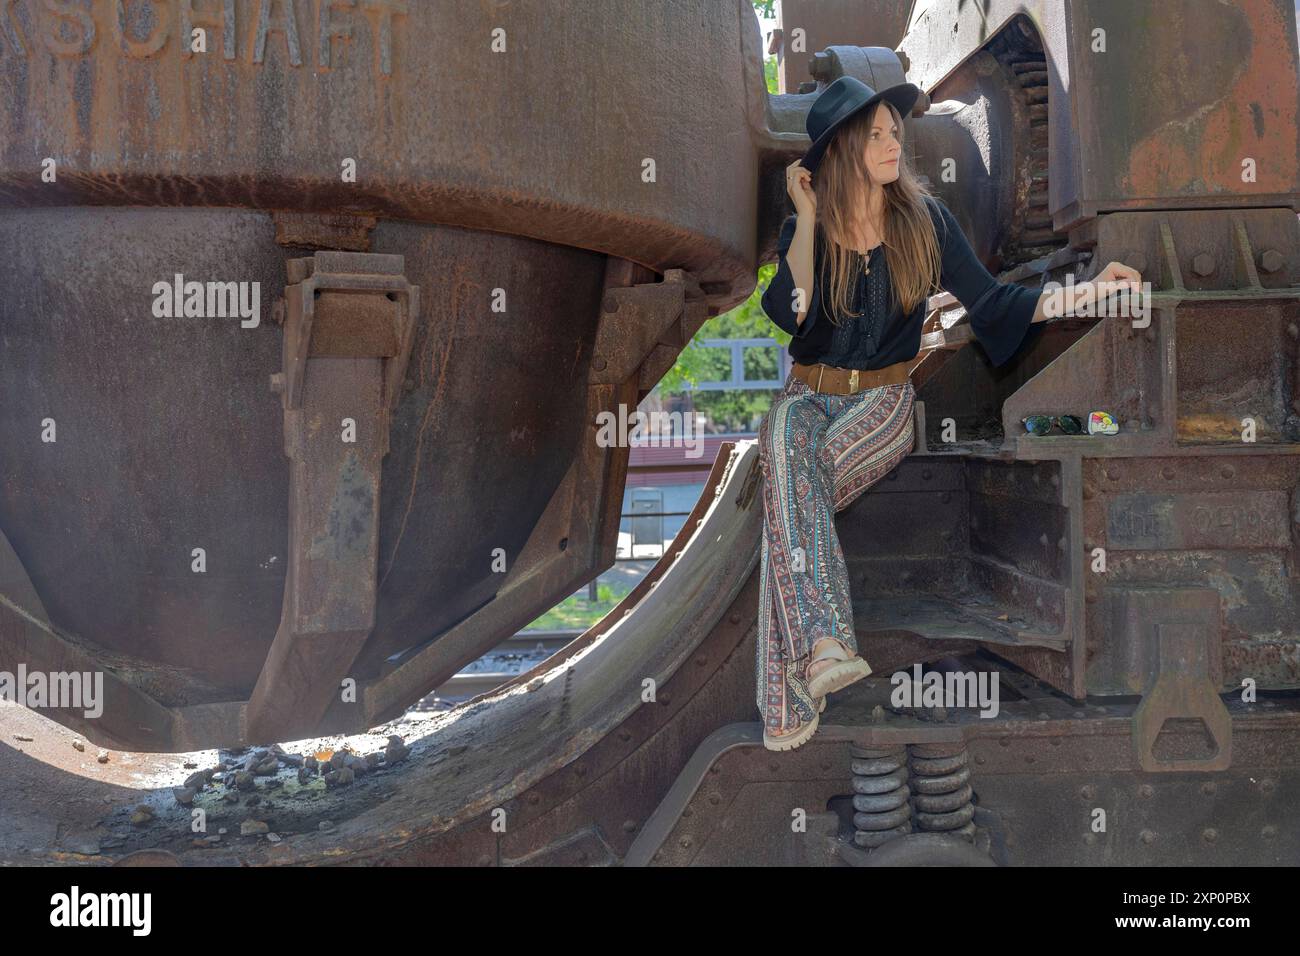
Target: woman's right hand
798,184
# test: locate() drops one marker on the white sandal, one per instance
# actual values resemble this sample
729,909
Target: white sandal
837,676
799,737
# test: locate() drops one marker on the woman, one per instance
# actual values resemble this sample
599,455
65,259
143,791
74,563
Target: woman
879,245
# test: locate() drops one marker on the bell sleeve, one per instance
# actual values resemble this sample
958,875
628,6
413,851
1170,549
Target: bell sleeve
778,297
1000,313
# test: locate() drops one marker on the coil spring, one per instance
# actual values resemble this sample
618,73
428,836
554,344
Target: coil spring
942,797
880,795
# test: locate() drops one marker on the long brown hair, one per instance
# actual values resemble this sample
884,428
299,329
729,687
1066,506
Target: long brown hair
911,247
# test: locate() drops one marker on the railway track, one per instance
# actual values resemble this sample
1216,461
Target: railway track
509,659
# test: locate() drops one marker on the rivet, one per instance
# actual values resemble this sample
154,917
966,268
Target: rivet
1208,788
1148,837
629,826
1227,471
1146,790
1203,263
684,843
1209,834
1167,473
715,798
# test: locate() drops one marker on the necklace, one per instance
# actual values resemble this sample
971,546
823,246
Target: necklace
866,258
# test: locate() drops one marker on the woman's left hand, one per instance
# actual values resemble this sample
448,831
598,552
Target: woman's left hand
1118,273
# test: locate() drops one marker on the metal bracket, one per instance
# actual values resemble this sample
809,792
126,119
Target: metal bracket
349,323
1177,632
644,327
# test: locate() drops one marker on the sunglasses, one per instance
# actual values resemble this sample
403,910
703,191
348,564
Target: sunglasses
1042,424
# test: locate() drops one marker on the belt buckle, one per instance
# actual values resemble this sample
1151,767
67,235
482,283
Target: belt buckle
853,381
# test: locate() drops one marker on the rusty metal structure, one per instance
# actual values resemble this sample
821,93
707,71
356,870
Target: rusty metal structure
466,273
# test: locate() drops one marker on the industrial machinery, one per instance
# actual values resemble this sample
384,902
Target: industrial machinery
310,312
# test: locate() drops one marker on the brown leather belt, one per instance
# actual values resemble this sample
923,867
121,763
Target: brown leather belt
830,380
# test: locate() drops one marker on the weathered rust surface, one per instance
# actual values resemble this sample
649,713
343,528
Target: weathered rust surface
1165,117
289,90
170,440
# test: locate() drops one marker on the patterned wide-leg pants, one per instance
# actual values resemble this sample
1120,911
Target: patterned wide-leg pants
818,453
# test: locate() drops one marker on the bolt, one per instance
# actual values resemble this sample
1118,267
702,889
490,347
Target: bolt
1203,263
599,363
1270,260
903,60
820,65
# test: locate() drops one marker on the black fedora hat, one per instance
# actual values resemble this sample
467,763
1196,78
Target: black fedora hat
844,98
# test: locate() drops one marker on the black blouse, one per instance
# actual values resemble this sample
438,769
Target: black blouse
1000,313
